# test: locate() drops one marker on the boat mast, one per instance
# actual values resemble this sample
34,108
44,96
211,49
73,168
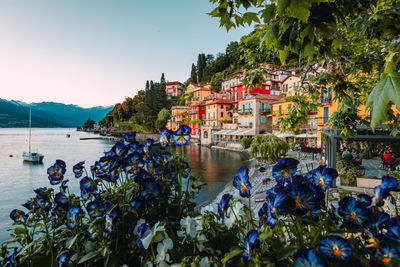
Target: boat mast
30,119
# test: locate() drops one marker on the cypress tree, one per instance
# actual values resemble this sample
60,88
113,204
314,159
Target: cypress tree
163,93
193,74
201,65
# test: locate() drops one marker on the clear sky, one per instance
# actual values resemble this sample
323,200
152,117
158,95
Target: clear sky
97,52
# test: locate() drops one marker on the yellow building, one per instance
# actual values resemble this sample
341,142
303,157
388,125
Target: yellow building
176,117
291,86
201,93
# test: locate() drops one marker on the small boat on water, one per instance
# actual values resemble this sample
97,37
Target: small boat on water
68,135
32,156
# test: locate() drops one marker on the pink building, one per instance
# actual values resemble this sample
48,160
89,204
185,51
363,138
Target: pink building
174,88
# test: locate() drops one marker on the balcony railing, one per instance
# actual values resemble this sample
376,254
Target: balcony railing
265,111
326,99
245,111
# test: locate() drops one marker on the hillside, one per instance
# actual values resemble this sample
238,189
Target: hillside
47,114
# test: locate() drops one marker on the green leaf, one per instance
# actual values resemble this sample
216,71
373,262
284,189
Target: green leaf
249,17
300,9
282,5
286,252
231,255
71,241
19,231
387,91
88,256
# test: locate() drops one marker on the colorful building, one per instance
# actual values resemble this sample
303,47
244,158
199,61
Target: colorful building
174,88
201,93
255,112
177,117
197,116
218,111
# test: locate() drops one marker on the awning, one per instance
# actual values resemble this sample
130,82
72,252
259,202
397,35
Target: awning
306,136
284,135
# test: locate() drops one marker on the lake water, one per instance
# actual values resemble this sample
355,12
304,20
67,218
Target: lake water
18,179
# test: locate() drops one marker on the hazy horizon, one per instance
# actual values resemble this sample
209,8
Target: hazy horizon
96,53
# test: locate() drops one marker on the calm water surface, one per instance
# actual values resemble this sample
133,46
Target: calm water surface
18,179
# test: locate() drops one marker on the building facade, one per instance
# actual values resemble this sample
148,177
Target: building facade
174,88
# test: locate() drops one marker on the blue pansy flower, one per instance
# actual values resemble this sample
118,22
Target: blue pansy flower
128,139
381,191
186,169
182,135
223,206
44,204
62,164
148,145
307,258
56,172
132,163
335,248
277,203
87,185
164,137
149,189
12,258
61,199
95,208
241,182
379,220
41,193
119,149
353,213
78,169
250,242
63,259
110,219
284,169
304,198
141,231
135,206
71,217
387,255
17,215
324,177
30,205
393,234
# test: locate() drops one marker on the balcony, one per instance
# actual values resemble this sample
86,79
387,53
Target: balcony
192,112
326,99
246,126
245,111
265,111
308,126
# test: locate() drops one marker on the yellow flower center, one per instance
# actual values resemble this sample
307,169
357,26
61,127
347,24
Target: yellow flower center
244,187
108,224
71,220
299,204
386,260
181,138
308,214
275,211
285,173
321,182
353,216
336,252
57,173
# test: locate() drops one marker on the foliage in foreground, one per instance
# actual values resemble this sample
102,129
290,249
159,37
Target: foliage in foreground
137,209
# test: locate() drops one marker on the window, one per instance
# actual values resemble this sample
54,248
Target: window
262,119
214,123
208,115
248,121
243,123
205,134
243,94
213,115
222,114
280,109
235,97
222,106
326,115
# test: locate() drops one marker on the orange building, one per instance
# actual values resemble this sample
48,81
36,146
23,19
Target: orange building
177,113
217,111
174,88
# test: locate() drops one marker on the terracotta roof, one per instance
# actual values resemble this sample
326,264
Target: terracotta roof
173,83
220,101
280,101
197,103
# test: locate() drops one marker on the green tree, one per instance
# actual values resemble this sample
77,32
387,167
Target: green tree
193,74
351,40
162,118
268,147
163,92
201,64
89,124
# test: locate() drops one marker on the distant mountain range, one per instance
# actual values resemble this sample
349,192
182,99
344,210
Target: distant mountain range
47,114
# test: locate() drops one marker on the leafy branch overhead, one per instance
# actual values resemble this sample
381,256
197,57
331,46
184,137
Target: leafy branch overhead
351,39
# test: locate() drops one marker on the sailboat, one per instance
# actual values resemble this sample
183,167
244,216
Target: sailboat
31,156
